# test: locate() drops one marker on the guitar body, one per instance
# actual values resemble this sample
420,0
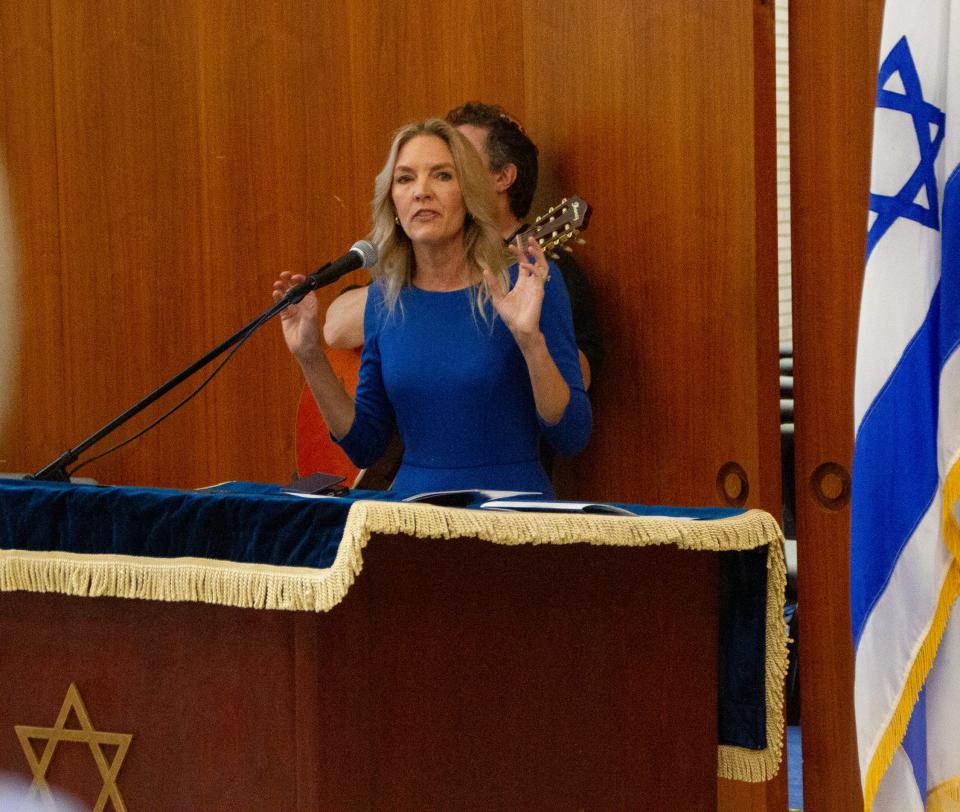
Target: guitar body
316,452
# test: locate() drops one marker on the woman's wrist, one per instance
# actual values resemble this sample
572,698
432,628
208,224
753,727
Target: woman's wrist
310,357
531,342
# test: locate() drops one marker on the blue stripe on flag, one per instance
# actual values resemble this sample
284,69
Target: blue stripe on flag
950,266
894,468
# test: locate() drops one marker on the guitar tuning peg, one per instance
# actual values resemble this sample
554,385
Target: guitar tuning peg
568,249
581,241
553,255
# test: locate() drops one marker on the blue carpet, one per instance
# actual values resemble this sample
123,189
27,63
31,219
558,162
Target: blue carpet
794,768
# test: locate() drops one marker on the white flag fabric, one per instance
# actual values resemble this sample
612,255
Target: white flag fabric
905,538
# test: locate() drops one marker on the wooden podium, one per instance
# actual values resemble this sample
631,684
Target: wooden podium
248,649
455,674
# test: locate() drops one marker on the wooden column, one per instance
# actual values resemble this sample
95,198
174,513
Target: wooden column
834,52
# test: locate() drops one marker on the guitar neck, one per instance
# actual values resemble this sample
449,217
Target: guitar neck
560,224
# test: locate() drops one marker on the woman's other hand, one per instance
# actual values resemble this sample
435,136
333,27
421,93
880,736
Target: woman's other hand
520,307
301,328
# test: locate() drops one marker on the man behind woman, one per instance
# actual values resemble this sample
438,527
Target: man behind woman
471,360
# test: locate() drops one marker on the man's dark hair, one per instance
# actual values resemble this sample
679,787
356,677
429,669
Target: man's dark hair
507,143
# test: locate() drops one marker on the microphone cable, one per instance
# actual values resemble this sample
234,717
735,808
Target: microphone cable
176,407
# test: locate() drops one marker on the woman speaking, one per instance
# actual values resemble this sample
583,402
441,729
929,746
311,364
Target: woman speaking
470,359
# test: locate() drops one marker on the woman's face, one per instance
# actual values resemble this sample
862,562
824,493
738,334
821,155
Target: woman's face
426,192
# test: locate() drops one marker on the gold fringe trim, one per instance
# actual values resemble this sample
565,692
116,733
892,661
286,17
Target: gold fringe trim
739,763
304,588
749,530
948,522
199,580
944,797
897,728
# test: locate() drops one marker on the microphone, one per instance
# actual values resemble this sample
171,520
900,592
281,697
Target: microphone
362,254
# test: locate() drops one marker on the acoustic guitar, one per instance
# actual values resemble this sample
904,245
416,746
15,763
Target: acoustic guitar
317,452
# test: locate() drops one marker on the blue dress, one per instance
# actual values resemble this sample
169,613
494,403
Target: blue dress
458,390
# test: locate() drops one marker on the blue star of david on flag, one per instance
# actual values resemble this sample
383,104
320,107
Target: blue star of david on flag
928,126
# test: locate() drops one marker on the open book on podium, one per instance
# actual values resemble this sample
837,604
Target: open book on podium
515,500
328,486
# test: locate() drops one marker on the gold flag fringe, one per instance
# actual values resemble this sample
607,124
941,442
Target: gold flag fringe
896,728
923,661
263,586
945,797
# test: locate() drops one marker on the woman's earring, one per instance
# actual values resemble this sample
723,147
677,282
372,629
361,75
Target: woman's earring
396,219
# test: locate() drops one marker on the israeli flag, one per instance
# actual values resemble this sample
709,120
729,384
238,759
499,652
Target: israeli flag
905,537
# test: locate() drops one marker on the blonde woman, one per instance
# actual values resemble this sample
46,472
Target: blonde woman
472,360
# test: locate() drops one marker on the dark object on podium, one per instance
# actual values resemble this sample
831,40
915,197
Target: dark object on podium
318,483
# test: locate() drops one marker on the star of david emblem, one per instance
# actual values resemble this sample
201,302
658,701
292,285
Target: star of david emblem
928,126
86,734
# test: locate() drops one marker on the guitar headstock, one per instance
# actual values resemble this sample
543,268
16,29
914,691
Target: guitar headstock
561,223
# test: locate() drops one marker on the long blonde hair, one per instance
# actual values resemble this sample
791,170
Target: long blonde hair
483,245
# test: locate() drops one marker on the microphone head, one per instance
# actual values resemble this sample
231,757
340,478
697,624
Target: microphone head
367,251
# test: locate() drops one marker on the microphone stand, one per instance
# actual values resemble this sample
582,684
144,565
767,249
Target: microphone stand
56,471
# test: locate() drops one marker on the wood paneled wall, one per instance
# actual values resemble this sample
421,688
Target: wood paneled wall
167,160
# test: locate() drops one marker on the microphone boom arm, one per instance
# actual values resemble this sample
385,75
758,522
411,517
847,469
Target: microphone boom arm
56,471
362,254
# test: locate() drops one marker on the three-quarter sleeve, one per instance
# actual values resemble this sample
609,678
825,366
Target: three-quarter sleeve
569,435
374,420
586,325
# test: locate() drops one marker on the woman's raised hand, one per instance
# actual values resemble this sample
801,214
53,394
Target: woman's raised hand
520,307
301,329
